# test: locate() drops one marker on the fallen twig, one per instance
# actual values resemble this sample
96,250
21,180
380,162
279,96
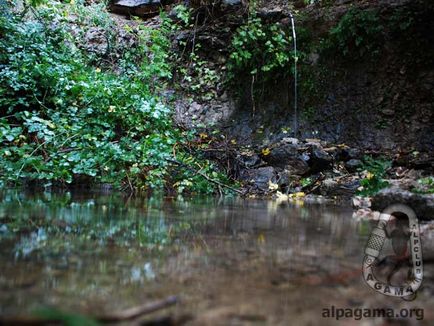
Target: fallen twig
138,311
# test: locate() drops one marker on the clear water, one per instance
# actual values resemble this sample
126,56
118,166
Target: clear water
230,261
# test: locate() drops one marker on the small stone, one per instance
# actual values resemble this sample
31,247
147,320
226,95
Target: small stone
388,112
249,161
289,140
232,2
353,164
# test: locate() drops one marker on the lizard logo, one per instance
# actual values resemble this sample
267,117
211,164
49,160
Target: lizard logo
398,223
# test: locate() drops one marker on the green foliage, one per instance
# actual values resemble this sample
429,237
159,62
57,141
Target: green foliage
63,119
194,74
183,14
197,77
425,186
188,178
261,50
358,35
304,182
376,170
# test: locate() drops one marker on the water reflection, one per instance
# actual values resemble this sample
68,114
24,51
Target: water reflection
107,251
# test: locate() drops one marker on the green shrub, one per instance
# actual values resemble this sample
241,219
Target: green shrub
358,35
425,186
63,119
376,170
260,50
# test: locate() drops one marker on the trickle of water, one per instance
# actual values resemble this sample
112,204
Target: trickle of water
294,37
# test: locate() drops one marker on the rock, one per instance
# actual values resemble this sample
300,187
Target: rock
366,213
143,8
274,13
260,177
289,140
313,141
249,160
422,204
331,187
353,164
297,167
319,160
361,202
282,155
136,3
232,2
285,178
353,153
286,156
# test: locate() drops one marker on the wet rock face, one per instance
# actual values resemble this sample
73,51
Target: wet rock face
422,204
192,114
385,104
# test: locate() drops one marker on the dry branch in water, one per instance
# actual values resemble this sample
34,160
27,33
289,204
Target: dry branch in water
124,315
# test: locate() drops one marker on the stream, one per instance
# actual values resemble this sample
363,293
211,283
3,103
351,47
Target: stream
230,261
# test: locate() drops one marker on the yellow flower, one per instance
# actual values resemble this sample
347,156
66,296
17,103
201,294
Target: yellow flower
203,135
369,176
112,108
266,151
97,70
